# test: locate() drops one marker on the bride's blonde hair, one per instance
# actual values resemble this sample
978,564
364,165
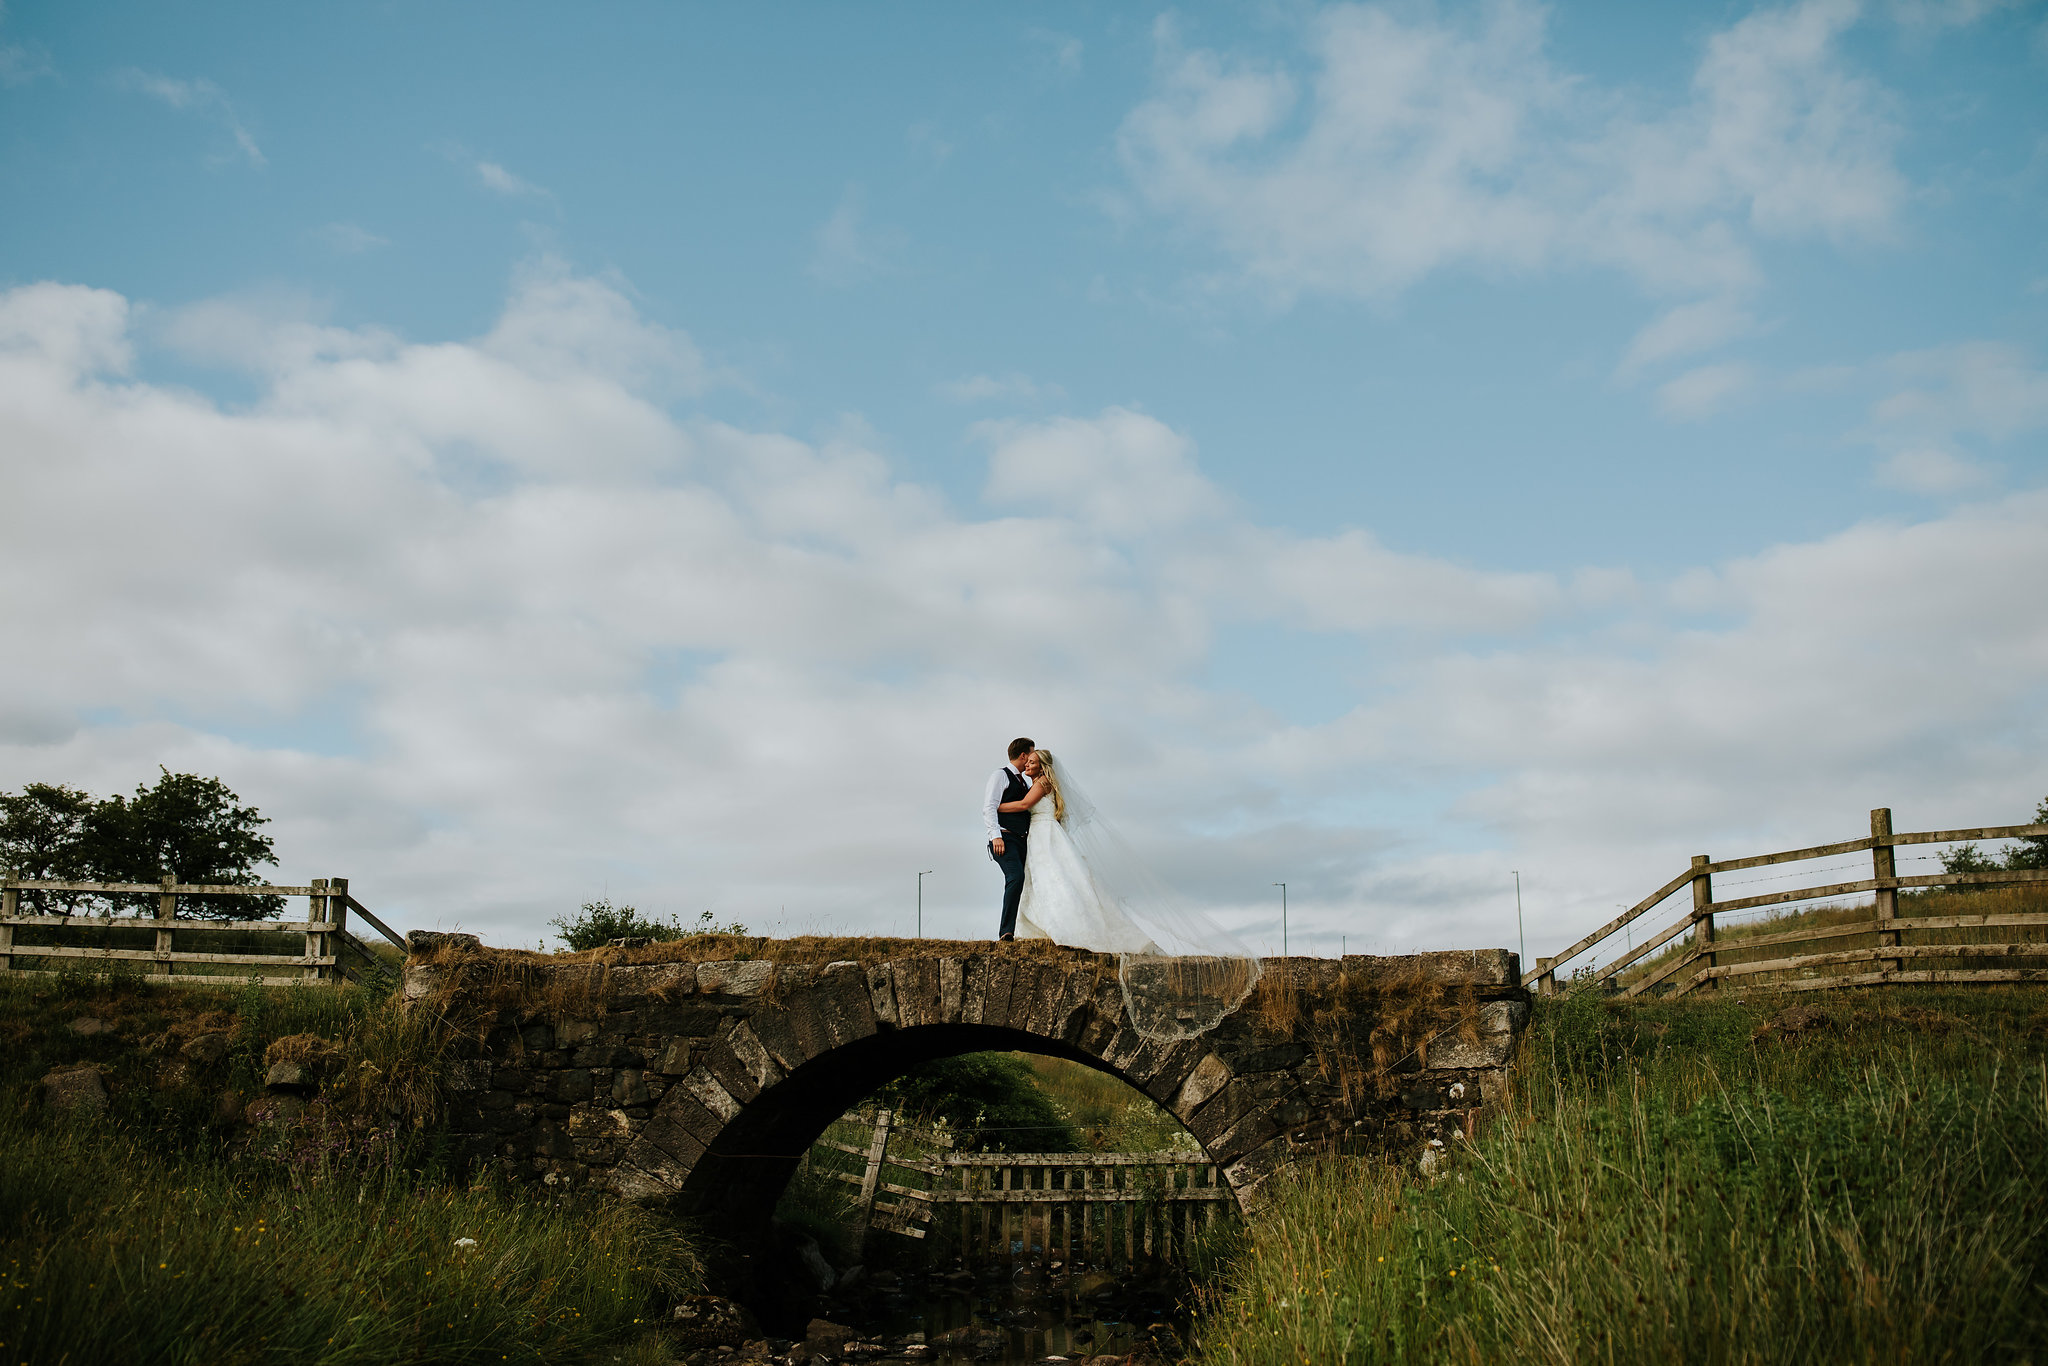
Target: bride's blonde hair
1052,783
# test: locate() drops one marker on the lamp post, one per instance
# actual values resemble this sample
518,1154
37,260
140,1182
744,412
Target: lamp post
1283,917
920,901
1520,933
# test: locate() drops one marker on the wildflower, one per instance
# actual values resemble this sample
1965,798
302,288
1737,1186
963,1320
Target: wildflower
465,1242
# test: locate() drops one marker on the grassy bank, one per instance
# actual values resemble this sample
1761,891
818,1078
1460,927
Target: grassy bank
167,1230
1674,1185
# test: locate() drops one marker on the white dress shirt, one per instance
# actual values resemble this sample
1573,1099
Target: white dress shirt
993,798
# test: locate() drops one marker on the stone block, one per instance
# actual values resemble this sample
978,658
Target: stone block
951,980
289,1076
974,988
514,1079
628,1087
647,1175
1209,1077
1243,1136
670,1129
419,943
662,981
1454,1052
711,1094
589,1122
843,986
735,979
997,1001
571,1033
882,995
570,1086
917,991
675,1059
537,1037
771,1025
757,1066
469,1074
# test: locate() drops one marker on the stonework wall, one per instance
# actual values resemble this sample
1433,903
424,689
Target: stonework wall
700,1085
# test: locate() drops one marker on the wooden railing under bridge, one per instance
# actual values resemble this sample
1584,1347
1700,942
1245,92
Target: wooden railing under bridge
319,948
1970,948
1099,1209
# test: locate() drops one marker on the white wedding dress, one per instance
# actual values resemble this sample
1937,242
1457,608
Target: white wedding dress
1064,900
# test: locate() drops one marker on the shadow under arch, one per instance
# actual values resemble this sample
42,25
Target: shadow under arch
735,1184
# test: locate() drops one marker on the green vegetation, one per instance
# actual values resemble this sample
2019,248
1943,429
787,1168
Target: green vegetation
167,1231
990,1101
598,923
2030,852
1862,1178
186,826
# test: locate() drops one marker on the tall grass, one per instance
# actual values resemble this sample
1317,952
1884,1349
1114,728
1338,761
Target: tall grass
1670,1190
158,1233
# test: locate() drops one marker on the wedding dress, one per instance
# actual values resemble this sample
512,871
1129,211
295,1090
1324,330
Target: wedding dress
1181,973
1063,901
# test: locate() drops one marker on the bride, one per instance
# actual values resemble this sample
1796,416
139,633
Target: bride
1181,973
1063,899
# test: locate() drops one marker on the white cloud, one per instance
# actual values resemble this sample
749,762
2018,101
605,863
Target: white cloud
198,96
1705,390
497,179
1987,389
1687,329
574,641
992,388
349,239
846,249
1414,143
1930,469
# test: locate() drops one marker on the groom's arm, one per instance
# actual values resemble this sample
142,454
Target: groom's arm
990,800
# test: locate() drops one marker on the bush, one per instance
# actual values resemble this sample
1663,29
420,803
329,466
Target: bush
991,1100
600,922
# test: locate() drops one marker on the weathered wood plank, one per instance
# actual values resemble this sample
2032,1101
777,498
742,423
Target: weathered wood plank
1611,926
1648,946
1104,1196
1162,1159
277,960
1922,976
157,888
194,979
1881,952
133,922
1989,832
379,926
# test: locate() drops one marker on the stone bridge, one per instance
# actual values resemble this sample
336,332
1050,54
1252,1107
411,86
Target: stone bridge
699,1085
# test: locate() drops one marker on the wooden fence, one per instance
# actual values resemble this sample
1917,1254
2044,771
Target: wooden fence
1896,937
325,952
1102,1209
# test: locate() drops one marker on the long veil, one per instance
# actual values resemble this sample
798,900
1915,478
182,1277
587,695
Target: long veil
1193,972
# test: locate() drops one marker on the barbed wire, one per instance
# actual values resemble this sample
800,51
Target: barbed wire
1832,868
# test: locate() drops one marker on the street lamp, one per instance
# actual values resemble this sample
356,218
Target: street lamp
1519,931
920,901
1283,917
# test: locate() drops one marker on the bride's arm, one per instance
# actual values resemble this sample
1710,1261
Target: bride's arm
1028,800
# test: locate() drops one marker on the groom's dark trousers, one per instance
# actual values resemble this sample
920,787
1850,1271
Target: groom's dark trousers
1011,861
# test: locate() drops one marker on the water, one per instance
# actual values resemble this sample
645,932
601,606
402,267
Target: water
1029,1315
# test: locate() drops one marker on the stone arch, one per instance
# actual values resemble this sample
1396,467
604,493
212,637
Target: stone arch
724,1141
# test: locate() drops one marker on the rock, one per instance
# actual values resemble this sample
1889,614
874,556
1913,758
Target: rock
279,1107
1793,1021
743,978
228,1109
699,1321
288,1076
80,1092
822,1335
420,943
815,1263
89,1026
206,1049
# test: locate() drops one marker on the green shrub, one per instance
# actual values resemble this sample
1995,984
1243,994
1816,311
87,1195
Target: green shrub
598,923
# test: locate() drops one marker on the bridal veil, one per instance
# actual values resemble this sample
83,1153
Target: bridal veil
1194,972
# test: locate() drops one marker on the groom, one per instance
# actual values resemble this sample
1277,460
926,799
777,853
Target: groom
1008,830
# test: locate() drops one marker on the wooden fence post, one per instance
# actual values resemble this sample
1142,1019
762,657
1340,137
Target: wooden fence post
1884,870
1546,977
1702,918
871,1179
332,944
316,911
10,903
166,911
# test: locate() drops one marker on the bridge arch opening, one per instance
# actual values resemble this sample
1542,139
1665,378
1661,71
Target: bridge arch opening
742,1173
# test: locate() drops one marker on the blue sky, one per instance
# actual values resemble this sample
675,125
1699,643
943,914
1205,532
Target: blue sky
1377,420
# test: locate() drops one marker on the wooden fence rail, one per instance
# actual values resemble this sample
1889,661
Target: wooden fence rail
322,955
1889,956
1107,1209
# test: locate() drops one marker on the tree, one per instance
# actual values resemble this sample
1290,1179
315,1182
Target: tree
42,839
2027,852
188,827
991,1100
599,923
